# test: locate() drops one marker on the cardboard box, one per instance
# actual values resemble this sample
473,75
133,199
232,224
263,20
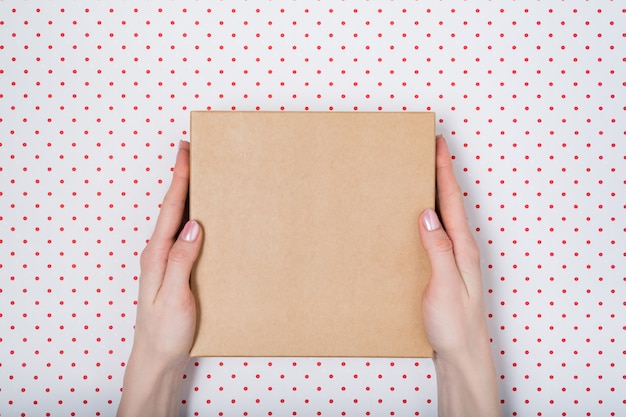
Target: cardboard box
311,232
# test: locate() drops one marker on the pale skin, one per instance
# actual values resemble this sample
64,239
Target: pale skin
453,309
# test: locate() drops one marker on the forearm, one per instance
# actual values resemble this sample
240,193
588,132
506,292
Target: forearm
467,386
149,389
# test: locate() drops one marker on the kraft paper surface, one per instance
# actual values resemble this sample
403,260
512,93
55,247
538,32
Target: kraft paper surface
311,232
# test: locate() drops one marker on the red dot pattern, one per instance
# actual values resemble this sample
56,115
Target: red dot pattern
95,96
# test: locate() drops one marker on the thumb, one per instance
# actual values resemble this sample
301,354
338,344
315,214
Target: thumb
439,249
182,256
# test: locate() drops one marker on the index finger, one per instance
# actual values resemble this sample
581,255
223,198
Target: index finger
154,257
453,215
173,206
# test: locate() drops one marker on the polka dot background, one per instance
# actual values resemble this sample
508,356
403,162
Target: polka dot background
94,97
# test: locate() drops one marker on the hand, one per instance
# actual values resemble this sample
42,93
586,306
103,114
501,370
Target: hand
452,305
166,312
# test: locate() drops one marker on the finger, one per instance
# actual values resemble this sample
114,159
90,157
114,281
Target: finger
454,217
181,258
154,257
449,193
173,205
440,251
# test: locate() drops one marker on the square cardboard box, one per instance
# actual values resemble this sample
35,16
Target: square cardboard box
311,232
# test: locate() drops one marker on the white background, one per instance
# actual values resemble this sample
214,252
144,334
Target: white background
94,97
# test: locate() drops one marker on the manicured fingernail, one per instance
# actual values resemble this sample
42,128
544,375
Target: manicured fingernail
190,231
431,220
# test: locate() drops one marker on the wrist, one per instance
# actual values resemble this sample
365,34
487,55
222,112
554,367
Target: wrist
151,385
467,383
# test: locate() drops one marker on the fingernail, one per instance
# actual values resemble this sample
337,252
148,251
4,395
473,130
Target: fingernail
190,231
183,144
431,220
